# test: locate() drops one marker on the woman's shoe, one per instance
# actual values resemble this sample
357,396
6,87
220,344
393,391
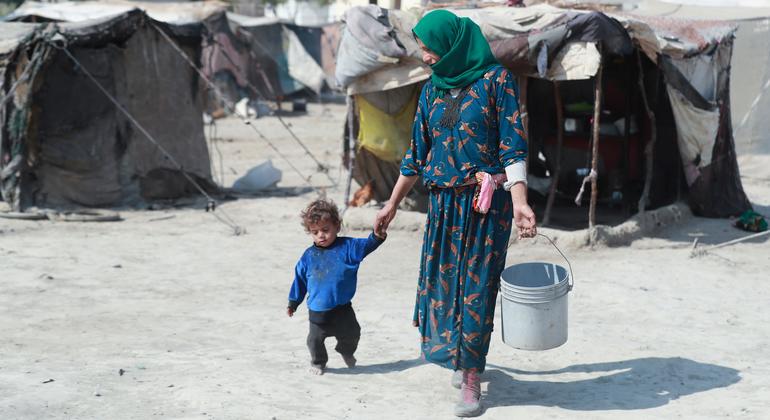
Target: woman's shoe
470,395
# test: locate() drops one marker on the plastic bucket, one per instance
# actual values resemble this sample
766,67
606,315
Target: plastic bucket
534,299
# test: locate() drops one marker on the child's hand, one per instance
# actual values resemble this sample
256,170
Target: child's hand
290,312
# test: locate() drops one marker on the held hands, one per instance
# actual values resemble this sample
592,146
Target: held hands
383,219
524,218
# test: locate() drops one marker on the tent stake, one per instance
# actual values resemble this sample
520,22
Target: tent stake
559,143
650,147
595,148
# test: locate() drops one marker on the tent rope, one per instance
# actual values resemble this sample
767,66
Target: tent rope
211,205
221,96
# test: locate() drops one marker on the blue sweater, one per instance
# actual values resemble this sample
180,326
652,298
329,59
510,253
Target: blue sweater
329,275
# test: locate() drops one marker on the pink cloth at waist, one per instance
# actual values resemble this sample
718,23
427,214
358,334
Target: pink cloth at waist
488,183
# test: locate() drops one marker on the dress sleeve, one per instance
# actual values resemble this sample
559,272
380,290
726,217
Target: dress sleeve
513,140
299,287
417,153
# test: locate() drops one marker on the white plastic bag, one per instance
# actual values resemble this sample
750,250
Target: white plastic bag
258,178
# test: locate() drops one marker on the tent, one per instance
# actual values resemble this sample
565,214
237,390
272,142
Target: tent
382,75
265,58
664,127
750,70
63,142
254,57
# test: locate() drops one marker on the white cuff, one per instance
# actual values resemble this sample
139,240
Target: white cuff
515,173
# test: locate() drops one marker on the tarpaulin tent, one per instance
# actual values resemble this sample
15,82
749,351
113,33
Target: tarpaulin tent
263,57
382,73
683,65
749,68
63,142
255,57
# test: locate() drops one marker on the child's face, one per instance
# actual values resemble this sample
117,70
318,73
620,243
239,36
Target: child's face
324,232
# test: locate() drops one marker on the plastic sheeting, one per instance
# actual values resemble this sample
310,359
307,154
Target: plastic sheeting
409,70
175,13
696,133
368,43
576,61
302,67
387,136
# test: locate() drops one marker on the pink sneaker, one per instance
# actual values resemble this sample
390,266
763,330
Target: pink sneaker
470,395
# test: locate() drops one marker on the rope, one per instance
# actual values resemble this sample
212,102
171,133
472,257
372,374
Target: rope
232,110
590,177
211,205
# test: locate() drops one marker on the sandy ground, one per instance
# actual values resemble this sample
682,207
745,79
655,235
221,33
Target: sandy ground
167,315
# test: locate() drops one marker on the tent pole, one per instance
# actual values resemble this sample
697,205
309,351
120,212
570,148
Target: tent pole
350,150
523,82
559,143
650,147
595,147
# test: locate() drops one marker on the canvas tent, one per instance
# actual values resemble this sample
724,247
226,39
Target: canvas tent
683,66
64,144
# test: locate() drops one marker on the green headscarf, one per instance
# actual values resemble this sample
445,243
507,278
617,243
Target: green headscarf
465,53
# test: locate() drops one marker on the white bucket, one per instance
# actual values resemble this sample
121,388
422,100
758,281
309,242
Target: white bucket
534,304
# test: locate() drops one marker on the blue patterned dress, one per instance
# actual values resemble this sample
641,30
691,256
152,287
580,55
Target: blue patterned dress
463,251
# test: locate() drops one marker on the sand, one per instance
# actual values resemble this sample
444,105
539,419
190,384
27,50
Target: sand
168,315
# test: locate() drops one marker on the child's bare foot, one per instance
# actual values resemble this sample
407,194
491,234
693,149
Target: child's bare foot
317,369
349,360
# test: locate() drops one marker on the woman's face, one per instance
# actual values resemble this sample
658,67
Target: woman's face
428,57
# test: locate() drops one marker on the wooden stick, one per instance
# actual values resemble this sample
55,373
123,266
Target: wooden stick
650,147
559,143
595,147
524,80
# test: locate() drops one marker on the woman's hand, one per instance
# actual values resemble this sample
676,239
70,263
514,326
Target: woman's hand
524,218
383,219
290,312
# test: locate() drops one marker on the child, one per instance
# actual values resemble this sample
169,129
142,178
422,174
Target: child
327,272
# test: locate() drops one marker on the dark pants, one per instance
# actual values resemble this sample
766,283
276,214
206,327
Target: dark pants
339,323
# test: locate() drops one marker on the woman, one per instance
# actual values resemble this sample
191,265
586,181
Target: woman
467,138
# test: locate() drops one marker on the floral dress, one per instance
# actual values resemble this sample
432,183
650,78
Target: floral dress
463,251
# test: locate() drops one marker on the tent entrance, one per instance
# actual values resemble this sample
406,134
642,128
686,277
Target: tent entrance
624,132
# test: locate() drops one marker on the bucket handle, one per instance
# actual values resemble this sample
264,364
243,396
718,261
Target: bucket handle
571,276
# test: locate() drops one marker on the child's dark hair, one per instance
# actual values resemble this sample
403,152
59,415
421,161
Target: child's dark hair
320,210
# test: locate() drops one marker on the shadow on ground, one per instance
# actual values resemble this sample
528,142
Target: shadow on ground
624,385
380,368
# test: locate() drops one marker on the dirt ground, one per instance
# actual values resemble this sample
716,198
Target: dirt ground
168,315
